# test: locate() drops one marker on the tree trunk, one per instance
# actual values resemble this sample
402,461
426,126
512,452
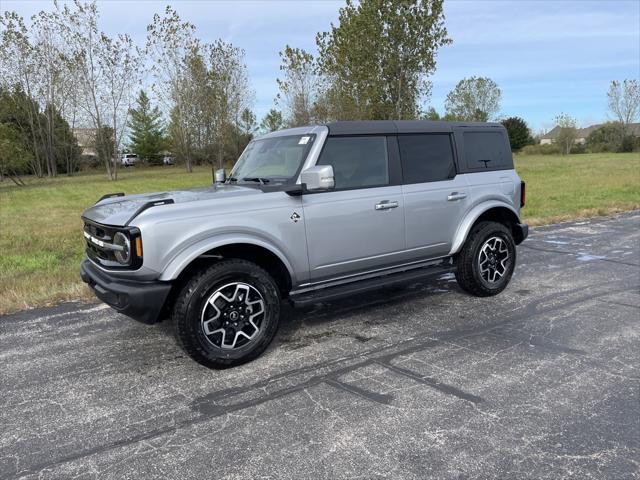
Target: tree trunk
115,149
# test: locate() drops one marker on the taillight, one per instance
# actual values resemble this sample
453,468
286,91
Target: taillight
523,193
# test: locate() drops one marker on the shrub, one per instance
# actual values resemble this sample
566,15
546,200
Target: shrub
628,144
547,149
579,148
611,137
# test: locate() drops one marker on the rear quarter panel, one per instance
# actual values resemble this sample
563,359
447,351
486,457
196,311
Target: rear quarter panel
499,188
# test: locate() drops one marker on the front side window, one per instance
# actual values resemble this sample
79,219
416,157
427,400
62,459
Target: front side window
272,160
357,161
426,158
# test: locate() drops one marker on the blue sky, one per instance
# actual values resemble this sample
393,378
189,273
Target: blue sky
547,56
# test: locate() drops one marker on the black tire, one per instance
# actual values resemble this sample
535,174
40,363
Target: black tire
189,313
468,273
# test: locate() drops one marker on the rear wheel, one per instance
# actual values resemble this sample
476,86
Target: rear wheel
227,314
487,259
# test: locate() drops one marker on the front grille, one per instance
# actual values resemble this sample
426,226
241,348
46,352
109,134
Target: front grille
96,253
103,256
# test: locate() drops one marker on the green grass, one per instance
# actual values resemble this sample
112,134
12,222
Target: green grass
41,237
41,231
576,186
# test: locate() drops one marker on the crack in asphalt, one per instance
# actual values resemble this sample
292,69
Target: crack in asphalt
209,407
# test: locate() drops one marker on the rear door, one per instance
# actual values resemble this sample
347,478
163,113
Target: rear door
435,196
359,225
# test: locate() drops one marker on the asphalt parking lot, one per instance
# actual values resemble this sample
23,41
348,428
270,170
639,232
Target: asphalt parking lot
419,381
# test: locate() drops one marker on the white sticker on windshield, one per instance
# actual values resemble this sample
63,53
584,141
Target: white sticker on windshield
303,140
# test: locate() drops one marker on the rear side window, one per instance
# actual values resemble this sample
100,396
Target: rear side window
486,150
426,158
357,161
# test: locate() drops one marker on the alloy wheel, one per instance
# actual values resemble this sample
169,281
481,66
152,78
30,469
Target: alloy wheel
232,316
494,259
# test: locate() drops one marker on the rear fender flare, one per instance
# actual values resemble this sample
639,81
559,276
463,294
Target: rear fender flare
470,218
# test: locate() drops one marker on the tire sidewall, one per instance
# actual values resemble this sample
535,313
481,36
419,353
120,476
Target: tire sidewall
493,230
209,283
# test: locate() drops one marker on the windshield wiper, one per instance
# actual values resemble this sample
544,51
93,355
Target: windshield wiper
232,179
256,179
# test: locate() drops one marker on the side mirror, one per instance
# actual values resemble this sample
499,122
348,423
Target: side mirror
220,176
318,178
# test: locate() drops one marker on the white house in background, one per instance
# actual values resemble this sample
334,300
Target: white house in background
86,140
583,133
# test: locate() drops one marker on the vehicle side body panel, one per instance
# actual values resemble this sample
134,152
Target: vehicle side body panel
325,236
346,234
431,218
183,232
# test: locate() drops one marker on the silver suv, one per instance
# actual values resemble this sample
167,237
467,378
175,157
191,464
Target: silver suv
308,215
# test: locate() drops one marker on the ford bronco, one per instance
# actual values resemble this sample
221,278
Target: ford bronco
308,215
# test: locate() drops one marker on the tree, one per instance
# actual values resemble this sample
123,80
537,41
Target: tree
14,156
146,135
232,95
107,70
18,72
375,63
432,114
172,49
65,151
205,88
568,132
298,87
103,141
22,113
272,121
518,131
245,130
624,100
474,99
248,122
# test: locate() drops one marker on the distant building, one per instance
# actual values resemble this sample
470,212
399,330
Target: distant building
583,133
86,140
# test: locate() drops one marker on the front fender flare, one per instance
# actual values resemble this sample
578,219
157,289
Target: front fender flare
471,217
188,255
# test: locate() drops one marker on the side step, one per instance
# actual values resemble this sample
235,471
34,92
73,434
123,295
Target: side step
309,297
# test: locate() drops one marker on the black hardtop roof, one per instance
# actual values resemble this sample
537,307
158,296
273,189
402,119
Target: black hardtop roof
390,127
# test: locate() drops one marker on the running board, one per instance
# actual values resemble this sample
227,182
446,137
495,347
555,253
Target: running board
309,297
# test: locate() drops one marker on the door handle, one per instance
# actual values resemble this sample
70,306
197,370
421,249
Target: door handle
386,205
456,196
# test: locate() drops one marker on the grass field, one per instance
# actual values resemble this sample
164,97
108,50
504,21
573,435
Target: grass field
42,245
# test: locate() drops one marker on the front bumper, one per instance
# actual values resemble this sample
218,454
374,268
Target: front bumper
142,301
520,232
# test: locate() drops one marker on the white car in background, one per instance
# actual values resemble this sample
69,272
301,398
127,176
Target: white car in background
129,159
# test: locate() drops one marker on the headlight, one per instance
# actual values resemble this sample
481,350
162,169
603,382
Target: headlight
124,255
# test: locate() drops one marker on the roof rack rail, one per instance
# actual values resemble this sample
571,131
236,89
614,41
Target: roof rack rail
148,205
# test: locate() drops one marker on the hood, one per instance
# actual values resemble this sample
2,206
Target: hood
119,211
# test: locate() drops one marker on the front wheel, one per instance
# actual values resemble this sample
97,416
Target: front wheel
227,314
487,259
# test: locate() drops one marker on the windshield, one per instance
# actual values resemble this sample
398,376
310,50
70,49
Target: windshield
272,160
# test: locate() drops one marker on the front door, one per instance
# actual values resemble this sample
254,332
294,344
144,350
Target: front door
359,225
